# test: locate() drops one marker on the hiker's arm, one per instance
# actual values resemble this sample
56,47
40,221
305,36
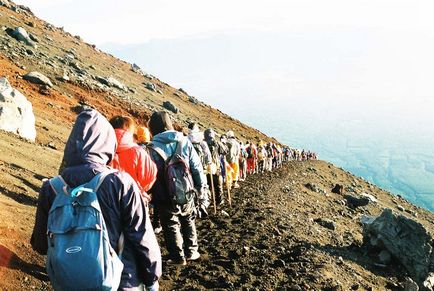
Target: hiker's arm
146,171
138,231
39,236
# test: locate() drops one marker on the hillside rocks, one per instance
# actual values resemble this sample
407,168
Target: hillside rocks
170,106
38,78
16,113
112,82
406,240
21,35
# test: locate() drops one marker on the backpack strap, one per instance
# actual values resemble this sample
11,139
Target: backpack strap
159,151
59,185
96,181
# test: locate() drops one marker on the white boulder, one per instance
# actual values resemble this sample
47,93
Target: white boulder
16,112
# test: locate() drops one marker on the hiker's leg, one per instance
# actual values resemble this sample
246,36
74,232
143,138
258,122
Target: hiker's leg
170,221
218,185
188,229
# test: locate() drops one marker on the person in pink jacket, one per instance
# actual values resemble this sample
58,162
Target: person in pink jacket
132,158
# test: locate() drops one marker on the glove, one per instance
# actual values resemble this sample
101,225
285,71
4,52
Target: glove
153,287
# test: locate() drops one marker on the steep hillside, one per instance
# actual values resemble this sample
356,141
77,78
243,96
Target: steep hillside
268,240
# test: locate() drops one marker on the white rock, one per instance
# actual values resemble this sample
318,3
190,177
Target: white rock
16,112
38,78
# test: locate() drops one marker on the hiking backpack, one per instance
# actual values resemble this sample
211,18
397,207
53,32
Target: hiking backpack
177,175
249,152
232,156
79,255
200,153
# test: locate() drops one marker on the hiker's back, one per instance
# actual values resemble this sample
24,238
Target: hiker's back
79,252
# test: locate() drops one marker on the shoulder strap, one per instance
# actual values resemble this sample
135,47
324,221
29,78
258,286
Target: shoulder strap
180,145
159,151
96,181
59,185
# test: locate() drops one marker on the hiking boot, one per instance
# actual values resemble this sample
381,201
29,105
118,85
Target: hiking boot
177,262
195,256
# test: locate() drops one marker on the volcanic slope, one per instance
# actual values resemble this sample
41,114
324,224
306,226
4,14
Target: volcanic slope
269,238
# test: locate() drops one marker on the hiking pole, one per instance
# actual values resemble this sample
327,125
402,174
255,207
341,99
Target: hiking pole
229,194
213,192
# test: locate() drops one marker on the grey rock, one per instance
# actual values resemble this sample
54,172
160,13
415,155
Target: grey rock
112,82
370,197
406,240
16,112
193,100
410,285
355,201
313,187
400,208
170,106
327,223
151,87
37,78
5,3
21,35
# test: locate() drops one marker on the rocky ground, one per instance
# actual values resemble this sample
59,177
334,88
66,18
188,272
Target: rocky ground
285,229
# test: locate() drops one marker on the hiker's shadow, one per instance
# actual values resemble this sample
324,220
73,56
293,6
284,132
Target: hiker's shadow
10,260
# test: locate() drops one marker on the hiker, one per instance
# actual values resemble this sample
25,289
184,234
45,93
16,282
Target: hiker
132,158
243,162
233,157
196,138
268,163
262,157
177,219
217,150
252,154
90,148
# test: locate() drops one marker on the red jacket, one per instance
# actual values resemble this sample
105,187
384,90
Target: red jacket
133,159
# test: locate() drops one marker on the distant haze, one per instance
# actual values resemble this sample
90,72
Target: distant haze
351,80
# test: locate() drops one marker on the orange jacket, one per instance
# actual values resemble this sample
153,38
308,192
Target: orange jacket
134,160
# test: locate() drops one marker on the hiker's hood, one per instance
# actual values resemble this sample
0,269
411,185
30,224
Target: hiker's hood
125,140
168,136
92,140
209,135
195,136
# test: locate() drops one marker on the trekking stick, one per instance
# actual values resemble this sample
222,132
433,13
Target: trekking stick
213,192
229,194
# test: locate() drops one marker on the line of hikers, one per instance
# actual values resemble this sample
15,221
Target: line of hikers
92,221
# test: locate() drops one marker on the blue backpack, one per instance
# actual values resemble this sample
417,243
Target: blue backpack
80,256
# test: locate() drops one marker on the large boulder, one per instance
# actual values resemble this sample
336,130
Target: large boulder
407,241
16,113
21,34
170,106
37,78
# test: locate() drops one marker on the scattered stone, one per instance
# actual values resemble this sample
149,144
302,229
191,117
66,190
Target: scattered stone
224,213
170,106
313,187
151,87
338,189
400,208
370,197
21,35
51,145
410,285
16,112
193,100
112,82
327,223
354,201
37,78
286,189
406,240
